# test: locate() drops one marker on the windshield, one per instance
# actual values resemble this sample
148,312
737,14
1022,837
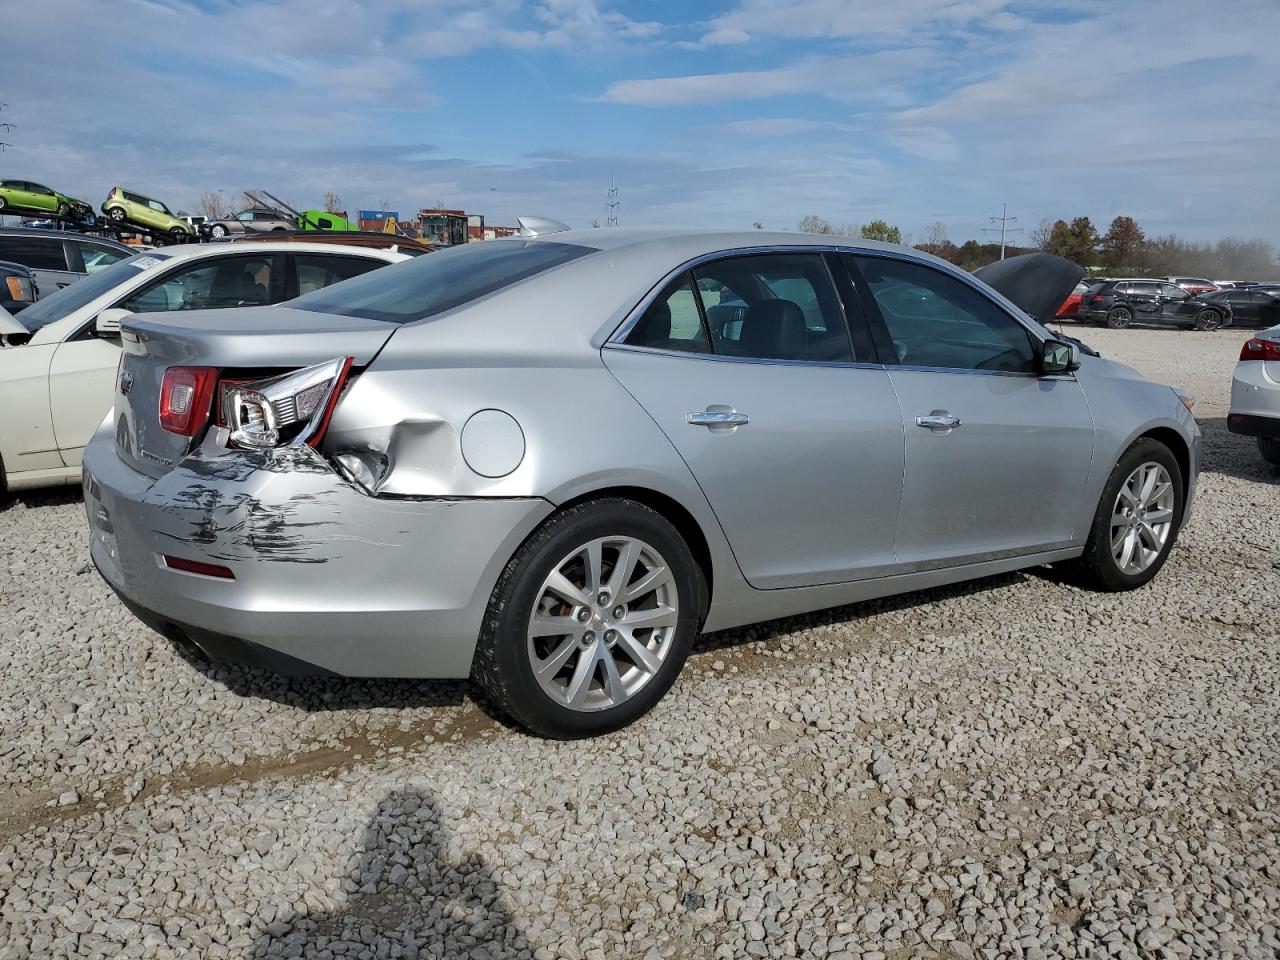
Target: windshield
55,306
430,285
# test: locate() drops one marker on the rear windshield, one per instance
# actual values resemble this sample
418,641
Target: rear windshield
52,308
430,285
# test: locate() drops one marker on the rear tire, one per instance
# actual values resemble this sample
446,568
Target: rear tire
218,231
116,214
1269,447
583,638
3,203
1119,318
1099,567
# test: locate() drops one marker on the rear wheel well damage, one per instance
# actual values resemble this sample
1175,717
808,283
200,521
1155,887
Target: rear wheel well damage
674,512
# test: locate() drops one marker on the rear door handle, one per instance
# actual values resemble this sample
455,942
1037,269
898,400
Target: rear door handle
938,421
718,418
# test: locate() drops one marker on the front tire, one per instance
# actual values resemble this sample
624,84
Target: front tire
64,211
1119,318
591,621
1137,520
178,235
1208,320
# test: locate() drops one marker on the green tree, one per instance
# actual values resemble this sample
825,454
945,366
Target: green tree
1076,241
1122,243
880,230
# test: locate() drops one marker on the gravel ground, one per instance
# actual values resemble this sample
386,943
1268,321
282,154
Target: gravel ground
1011,767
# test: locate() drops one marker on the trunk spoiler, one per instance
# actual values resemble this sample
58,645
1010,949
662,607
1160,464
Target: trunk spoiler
1037,283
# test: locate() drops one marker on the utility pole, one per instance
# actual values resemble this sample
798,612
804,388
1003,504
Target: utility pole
611,204
6,127
1004,220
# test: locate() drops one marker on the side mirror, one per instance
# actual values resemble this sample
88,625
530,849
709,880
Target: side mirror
108,322
1058,357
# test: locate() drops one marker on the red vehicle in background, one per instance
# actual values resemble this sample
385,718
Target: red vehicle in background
1071,306
1194,285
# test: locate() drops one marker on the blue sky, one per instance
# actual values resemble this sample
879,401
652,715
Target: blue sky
706,113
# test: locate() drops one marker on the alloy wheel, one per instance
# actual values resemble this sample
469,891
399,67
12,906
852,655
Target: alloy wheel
1119,318
603,623
1209,320
1142,518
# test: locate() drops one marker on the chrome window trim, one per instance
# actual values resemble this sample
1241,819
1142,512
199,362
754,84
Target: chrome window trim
725,358
633,316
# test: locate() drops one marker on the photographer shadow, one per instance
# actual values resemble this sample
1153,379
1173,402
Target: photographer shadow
407,895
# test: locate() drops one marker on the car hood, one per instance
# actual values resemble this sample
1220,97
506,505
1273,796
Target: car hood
1038,283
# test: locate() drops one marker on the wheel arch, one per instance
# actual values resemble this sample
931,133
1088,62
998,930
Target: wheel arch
1177,445
675,513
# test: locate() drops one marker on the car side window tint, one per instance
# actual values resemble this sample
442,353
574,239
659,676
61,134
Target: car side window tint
773,307
935,320
318,270
99,258
672,321
209,285
37,253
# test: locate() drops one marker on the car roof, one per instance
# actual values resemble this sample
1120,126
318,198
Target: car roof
189,251
60,235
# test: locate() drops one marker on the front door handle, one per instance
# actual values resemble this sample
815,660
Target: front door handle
938,421
718,418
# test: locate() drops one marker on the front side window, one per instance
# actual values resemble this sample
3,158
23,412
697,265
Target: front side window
431,285
209,285
935,320
62,303
157,206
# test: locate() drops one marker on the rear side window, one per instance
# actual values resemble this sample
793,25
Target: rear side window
98,258
317,270
38,253
431,285
673,321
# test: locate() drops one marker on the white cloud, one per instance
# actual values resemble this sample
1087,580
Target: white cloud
845,19
870,77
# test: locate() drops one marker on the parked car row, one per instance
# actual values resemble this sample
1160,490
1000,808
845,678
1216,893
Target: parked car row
1119,303
57,370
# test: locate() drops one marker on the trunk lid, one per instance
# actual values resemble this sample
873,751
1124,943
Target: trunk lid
1037,283
252,339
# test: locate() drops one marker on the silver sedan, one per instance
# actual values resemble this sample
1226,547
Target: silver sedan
548,463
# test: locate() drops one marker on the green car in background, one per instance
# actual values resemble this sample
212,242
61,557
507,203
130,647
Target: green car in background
27,197
323,220
124,206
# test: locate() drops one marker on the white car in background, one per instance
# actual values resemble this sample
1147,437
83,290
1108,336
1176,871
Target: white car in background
58,359
1255,393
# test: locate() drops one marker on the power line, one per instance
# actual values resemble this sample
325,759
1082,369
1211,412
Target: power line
611,204
1004,220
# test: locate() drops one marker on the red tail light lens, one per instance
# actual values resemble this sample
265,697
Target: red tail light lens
186,394
1096,298
1258,349
198,567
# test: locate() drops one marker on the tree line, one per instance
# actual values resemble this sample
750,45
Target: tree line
1124,250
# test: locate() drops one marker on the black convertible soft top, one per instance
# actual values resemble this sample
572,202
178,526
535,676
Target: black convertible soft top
1036,282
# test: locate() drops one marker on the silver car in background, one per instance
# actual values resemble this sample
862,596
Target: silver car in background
549,462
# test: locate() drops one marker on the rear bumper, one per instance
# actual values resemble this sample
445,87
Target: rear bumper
1251,426
326,578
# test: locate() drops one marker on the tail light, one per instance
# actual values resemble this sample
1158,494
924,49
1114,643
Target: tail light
19,289
1259,349
290,409
186,395
1096,298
